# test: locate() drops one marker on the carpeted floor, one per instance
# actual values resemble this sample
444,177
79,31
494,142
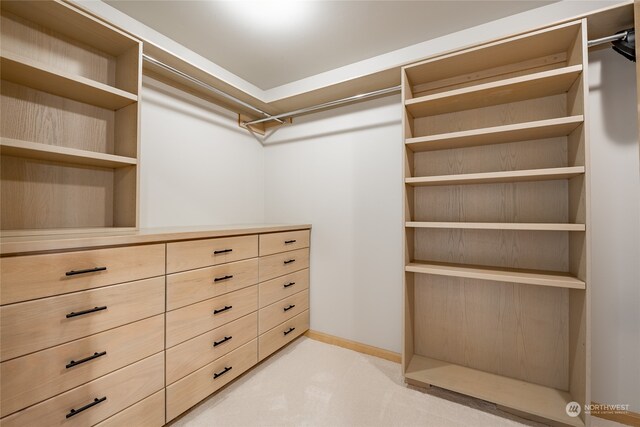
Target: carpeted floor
310,383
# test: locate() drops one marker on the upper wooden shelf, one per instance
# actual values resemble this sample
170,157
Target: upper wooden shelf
519,226
540,129
497,177
38,76
537,85
34,150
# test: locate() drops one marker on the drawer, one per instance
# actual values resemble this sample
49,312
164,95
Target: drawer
273,266
146,413
282,334
38,376
192,254
282,287
36,276
190,390
282,242
121,389
197,285
187,322
35,325
197,352
282,311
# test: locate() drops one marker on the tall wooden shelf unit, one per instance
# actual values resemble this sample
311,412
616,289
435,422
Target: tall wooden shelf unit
69,129
497,223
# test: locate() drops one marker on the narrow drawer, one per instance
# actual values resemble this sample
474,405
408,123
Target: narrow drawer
192,254
195,319
282,287
197,352
283,310
282,242
36,276
38,376
35,325
147,413
282,334
273,266
190,390
197,285
114,392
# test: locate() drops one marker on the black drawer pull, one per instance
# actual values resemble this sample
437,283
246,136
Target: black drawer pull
85,407
86,359
289,261
224,371
225,339
91,310
289,284
288,331
88,270
286,242
289,307
218,279
222,251
226,307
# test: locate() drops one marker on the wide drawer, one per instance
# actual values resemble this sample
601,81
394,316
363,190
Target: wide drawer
146,413
190,390
35,325
192,254
95,401
283,310
282,287
273,266
274,243
282,334
197,352
36,276
195,319
38,376
197,285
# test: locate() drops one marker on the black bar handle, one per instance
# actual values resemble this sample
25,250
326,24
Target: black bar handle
225,339
91,310
222,251
289,261
88,270
226,307
86,359
224,371
286,242
288,331
87,406
217,279
289,307
289,284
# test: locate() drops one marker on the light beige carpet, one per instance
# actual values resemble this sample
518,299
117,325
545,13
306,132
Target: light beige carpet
310,383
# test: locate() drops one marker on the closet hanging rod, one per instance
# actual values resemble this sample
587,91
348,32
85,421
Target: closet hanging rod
607,39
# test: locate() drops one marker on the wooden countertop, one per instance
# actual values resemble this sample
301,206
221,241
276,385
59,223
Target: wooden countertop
12,245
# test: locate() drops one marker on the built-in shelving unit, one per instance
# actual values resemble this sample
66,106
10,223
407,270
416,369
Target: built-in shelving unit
496,222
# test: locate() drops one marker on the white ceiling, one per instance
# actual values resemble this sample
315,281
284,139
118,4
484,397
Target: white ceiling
290,40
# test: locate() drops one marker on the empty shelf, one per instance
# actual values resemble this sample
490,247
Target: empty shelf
540,226
540,129
498,177
511,275
519,395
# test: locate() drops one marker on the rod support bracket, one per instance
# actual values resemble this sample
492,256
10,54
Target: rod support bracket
261,128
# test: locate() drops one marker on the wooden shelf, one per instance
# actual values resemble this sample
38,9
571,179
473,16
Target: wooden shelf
34,150
511,275
30,73
541,129
531,86
523,226
519,395
497,177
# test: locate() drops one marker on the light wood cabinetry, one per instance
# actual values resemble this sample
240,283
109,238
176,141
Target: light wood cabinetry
496,176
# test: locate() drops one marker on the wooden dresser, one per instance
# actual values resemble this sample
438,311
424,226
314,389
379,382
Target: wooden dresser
136,328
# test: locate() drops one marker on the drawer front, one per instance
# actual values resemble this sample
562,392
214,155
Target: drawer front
198,285
188,322
38,376
273,266
193,254
282,242
282,334
282,311
197,352
147,413
121,389
36,276
190,390
35,325
282,287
